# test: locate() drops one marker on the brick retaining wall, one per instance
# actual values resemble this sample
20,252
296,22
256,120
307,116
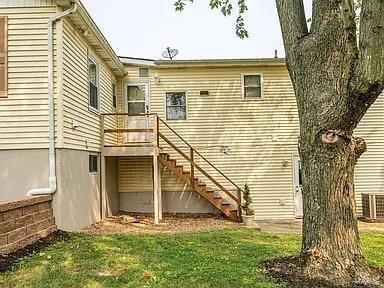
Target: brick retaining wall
23,222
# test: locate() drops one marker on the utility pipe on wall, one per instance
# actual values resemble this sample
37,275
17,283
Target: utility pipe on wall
51,108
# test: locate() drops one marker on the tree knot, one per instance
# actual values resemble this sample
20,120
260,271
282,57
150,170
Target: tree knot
332,136
360,146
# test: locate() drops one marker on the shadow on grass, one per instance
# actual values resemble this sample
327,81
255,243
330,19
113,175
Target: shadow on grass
223,258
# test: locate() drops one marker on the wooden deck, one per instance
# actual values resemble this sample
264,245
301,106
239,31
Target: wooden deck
228,201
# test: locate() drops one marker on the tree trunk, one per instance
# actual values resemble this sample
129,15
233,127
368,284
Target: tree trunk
330,234
336,80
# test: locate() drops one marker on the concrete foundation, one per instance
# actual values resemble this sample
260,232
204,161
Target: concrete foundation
78,200
173,202
22,170
76,204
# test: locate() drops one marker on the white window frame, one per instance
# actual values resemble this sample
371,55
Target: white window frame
186,106
243,86
97,164
91,108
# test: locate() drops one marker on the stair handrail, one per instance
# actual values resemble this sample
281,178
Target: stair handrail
181,138
237,200
198,153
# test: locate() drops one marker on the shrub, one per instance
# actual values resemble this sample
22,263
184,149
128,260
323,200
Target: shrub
247,201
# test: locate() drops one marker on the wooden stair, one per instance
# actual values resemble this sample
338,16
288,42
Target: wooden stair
201,188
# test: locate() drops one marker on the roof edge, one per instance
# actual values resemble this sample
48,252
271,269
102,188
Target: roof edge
96,31
220,62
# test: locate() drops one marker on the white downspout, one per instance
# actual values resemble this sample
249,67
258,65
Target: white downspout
51,108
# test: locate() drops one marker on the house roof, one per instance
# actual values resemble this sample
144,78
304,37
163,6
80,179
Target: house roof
83,21
197,63
217,63
137,61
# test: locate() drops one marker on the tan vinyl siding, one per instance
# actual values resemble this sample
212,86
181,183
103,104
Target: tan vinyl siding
24,113
369,173
75,93
261,134
25,3
135,175
3,56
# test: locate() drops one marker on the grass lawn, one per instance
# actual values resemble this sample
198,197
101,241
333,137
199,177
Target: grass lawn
222,258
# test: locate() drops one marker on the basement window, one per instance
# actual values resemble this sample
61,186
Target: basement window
93,163
252,86
176,105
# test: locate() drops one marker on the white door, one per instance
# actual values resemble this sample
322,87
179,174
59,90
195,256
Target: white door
136,103
297,186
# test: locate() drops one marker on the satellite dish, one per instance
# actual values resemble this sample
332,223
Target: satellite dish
170,53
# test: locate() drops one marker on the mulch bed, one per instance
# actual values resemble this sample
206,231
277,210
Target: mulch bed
8,260
141,223
289,269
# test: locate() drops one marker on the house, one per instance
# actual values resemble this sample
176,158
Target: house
103,133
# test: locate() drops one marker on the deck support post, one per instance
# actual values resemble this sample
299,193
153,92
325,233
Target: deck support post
103,188
156,188
160,192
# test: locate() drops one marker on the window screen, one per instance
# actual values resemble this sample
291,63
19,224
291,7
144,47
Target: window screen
176,106
252,86
136,99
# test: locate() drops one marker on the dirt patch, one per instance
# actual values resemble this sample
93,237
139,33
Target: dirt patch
289,269
134,223
371,226
8,260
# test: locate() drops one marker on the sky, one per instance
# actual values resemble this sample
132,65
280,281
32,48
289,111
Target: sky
144,28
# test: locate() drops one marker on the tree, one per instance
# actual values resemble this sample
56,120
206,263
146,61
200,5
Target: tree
336,76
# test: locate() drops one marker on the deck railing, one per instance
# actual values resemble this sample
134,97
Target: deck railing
123,129
151,132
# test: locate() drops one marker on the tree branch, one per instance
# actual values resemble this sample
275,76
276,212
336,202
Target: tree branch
293,24
369,80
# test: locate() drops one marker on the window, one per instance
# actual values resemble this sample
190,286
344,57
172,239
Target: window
136,95
143,72
176,106
252,88
93,167
93,74
114,100
3,56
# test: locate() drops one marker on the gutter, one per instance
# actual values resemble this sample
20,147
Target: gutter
51,108
220,63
